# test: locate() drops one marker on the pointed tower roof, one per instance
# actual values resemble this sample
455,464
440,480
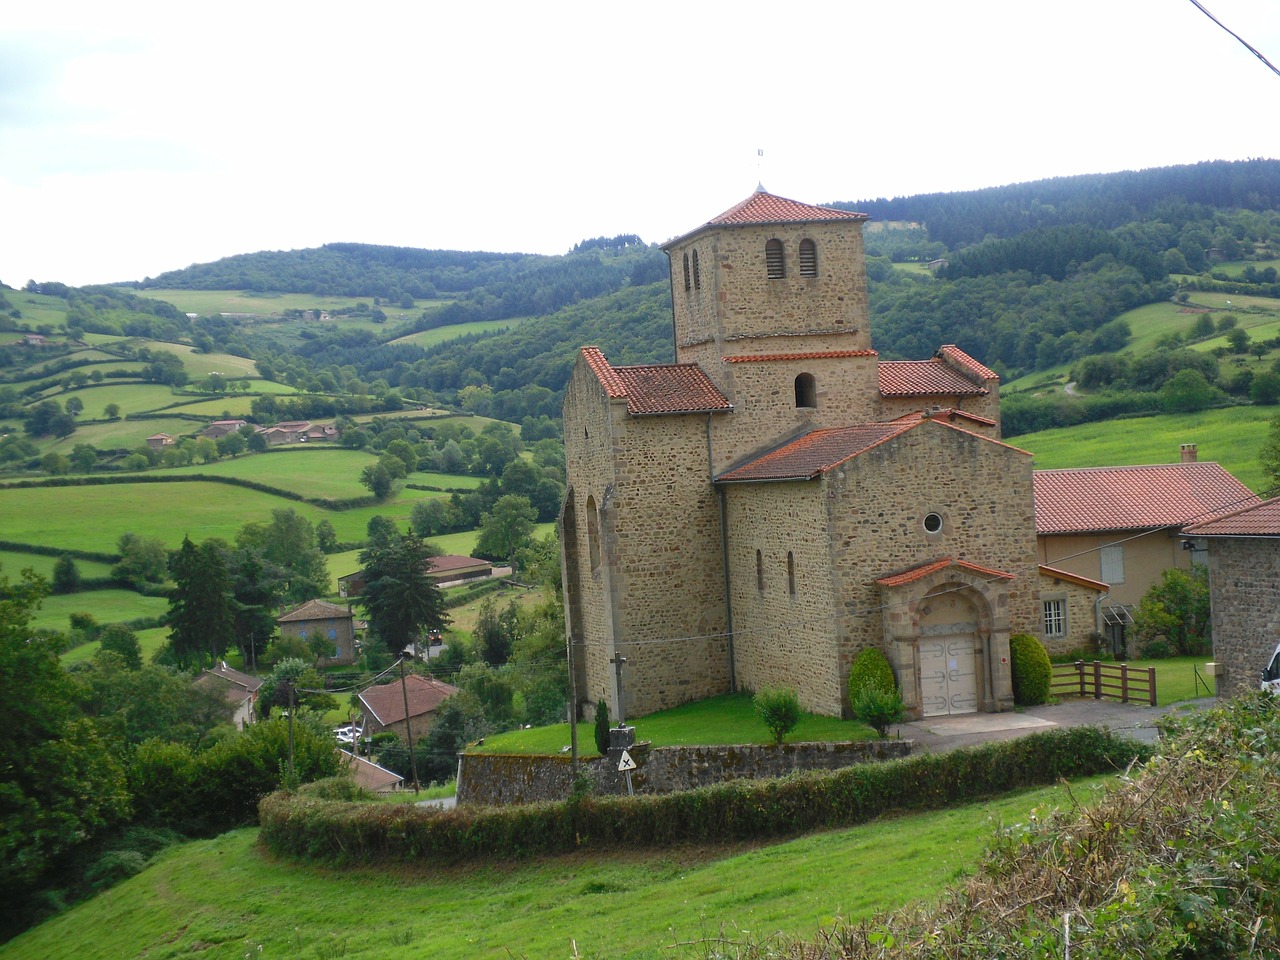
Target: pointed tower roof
765,207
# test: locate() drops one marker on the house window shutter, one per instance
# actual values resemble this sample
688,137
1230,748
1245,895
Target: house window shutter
1112,562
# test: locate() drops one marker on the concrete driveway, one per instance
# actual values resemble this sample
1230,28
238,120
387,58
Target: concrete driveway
939,734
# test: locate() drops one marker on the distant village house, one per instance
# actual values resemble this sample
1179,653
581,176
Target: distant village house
384,705
331,621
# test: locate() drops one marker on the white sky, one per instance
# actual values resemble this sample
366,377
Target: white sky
141,137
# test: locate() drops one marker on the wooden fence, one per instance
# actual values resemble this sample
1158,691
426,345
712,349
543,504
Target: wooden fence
1105,681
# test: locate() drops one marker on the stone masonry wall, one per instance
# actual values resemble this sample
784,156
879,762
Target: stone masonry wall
1244,590
501,779
781,638
1081,615
879,500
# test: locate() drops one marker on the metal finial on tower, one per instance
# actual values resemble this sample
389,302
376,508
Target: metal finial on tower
759,176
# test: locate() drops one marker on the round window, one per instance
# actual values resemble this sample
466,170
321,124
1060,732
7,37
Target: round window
932,522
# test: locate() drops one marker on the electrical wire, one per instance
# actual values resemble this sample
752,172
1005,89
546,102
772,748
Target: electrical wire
1270,66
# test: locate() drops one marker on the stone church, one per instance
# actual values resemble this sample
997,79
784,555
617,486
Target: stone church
779,498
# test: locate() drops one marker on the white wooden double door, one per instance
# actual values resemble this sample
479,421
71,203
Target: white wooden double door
948,676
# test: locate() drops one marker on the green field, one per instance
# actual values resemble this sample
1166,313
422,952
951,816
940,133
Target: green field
107,606
11,562
149,640
118,434
225,899
223,408
429,338
320,470
130,397
1230,437
200,365
37,308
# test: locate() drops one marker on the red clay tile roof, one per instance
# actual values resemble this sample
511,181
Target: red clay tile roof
386,701
765,207
368,774
1258,520
949,414
820,355
917,573
1096,499
816,452
236,681
1055,573
657,388
923,378
959,358
315,610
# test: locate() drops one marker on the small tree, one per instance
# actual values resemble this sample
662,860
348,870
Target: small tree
779,709
602,726
66,575
1173,616
118,639
878,708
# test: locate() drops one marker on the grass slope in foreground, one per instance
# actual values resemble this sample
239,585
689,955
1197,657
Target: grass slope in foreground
224,898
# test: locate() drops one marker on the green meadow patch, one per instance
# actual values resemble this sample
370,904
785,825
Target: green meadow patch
11,562
429,338
150,640
200,365
1230,436
106,606
320,470
226,899
118,434
129,397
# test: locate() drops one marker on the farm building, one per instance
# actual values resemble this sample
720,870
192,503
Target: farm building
331,621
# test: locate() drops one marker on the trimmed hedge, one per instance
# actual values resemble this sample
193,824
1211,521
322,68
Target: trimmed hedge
13,546
871,668
1032,672
333,832
324,503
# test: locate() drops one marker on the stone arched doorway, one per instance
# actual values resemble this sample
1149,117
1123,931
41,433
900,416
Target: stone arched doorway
947,673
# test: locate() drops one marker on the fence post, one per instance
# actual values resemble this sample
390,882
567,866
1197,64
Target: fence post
1151,684
1080,675
1097,679
1124,683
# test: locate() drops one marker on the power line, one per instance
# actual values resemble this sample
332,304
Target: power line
1270,66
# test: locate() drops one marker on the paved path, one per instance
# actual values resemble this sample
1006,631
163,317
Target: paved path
940,734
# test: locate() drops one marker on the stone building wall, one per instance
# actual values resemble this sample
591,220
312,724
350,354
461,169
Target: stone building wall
502,779
1082,615
879,500
783,638
1244,587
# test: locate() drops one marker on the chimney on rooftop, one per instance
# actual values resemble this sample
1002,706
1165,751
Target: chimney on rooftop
1189,454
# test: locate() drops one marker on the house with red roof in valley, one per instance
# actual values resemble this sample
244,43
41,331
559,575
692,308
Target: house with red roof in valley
368,775
1124,526
240,690
220,428
384,706
778,499
1243,552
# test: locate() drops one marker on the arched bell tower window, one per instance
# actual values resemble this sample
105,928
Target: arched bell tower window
806,391
808,258
697,272
686,273
775,264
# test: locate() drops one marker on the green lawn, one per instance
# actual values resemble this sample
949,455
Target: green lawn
118,434
225,899
1230,437
726,719
1176,678
107,606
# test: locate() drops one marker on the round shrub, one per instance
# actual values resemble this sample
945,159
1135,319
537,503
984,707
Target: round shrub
1031,670
870,671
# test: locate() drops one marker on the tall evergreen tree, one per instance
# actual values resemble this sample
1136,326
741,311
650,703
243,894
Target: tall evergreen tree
399,599
201,617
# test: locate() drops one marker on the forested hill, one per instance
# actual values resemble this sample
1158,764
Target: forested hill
486,286
1100,200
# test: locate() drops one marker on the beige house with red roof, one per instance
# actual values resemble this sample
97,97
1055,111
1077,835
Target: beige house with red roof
778,499
336,624
1124,526
384,705
240,690
1243,550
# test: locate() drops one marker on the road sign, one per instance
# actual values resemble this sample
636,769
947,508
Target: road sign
626,764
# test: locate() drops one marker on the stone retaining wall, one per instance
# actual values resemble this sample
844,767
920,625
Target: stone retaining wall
502,778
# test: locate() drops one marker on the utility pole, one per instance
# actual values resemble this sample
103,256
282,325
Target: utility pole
408,730
292,774
617,666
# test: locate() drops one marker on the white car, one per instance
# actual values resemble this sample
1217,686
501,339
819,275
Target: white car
1271,675
347,735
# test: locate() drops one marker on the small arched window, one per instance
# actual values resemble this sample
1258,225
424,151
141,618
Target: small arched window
593,534
808,258
686,273
697,272
806,391
759,571
775,264
791,573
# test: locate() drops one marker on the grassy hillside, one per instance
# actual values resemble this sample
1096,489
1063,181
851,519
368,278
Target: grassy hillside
1230,437
225,899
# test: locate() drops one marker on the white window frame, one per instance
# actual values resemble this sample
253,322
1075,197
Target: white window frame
1054,616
